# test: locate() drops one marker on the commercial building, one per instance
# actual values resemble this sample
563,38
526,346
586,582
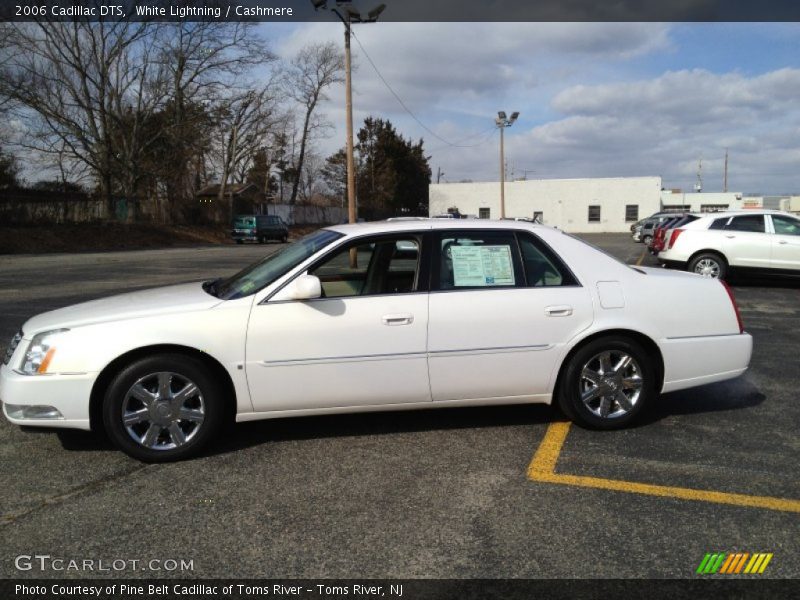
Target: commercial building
576,205
589,205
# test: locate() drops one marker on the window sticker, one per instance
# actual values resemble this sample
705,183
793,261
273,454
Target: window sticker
482,266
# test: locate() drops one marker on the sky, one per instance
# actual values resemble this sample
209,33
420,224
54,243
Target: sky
595,99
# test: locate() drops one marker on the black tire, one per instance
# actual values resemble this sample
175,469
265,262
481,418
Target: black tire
646,240
262,240
206,404
709,264
284,239
240,241
574,386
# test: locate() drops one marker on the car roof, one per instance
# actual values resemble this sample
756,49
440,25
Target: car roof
745,211
435,224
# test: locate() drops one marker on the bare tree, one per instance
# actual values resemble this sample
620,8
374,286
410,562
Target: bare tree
315,68
124,98
203,61
244,124
71,79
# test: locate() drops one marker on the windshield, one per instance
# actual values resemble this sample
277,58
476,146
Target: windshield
244,222
259,275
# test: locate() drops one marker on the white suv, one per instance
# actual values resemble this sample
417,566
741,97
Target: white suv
766,241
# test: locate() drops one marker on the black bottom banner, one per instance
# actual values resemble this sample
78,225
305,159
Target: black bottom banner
407,589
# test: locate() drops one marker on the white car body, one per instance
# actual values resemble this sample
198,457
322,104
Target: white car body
424,349
765,251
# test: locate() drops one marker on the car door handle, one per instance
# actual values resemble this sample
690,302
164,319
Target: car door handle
404,319
730,237
782,242
558,311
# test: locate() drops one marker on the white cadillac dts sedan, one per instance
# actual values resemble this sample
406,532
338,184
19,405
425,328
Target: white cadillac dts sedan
377,316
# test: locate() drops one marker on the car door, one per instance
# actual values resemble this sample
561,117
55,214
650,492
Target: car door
746,242
502,305
363,343
785,242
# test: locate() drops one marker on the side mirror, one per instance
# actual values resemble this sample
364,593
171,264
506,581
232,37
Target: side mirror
305,287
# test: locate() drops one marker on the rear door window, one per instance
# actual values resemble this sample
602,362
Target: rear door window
753,223
477,259
719,223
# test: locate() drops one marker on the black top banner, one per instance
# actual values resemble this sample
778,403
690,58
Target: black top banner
402,10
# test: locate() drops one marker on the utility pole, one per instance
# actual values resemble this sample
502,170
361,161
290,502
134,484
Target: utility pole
698,186
351,16
502,122
439,174
725,178
348,91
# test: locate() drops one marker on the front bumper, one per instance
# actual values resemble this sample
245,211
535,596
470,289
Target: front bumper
671,264
69,394
693,361
236,237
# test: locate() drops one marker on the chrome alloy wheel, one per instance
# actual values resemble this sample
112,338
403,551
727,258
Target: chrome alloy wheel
707,267
163,411
610,384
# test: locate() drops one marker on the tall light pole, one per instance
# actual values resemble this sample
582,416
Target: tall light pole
350,16
502,121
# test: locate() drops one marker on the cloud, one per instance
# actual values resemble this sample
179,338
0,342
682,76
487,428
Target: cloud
663,126
593,99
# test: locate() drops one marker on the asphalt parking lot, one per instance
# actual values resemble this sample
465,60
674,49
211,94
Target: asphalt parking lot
433,494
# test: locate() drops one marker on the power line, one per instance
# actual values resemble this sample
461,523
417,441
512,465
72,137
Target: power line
409,111
485,136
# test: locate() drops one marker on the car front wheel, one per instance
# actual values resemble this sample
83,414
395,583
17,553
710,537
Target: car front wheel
162,408
607,383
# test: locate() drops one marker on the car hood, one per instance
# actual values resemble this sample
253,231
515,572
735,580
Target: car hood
164,300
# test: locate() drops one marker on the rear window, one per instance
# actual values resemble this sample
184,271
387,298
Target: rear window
683,221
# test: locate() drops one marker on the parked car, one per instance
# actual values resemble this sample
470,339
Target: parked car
640,223
662,232
717,244
259,228
348,319
649,225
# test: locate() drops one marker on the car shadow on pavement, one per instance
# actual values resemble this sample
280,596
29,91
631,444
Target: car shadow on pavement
719,397
244,435
752,281
732,395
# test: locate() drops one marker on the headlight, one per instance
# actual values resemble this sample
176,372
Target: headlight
40,352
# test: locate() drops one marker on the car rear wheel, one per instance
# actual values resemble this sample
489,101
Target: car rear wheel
162,408
709,265
646,240
607,383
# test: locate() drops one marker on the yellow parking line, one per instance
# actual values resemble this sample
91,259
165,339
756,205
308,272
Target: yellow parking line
542,469
641,258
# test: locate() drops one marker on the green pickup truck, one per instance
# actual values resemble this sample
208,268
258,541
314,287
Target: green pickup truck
259,228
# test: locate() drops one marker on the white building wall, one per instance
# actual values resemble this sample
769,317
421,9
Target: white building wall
564,203
696,201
